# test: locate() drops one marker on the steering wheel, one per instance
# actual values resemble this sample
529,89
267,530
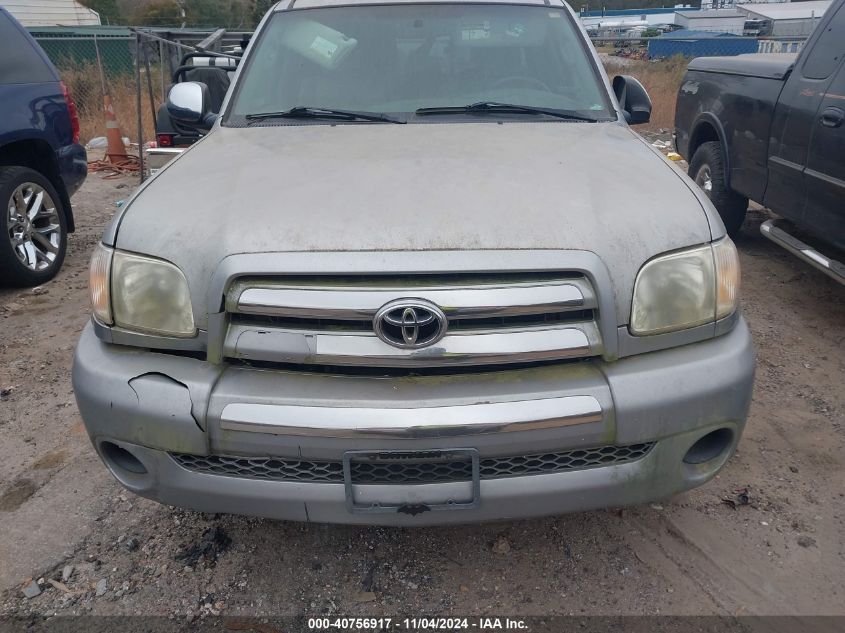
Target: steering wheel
529,82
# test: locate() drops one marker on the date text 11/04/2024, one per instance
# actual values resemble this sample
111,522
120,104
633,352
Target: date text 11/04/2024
417,624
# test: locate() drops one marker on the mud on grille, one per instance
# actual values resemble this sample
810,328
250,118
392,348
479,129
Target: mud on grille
284,469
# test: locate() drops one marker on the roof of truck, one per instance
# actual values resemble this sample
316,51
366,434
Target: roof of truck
309,4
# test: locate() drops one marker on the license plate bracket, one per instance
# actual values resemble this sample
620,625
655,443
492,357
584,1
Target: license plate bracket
413,497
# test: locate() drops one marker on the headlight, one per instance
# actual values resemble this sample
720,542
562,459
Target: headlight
685,289
150,295
140,293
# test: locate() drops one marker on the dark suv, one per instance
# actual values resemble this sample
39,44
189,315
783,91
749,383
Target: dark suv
41,161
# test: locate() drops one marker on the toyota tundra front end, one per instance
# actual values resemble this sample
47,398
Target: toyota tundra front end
420,271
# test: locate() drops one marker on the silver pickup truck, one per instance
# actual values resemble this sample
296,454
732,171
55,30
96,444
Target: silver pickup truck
419,271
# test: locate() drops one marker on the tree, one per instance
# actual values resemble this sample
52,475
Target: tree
229,14
108,10
160,13
259,9
204,14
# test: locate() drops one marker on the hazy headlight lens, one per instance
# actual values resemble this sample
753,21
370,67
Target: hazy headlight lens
99,274
685,289
150,295
674,292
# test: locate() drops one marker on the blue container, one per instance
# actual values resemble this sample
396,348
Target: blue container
700,44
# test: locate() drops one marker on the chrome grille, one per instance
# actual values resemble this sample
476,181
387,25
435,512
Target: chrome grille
490,320
284,469
455,324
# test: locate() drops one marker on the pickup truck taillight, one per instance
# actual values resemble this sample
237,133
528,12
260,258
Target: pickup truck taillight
164,140
74,115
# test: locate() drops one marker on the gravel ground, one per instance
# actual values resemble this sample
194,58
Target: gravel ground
91,548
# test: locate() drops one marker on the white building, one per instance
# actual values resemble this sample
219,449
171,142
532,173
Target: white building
718,20
51,12
790,19
624,20
730,4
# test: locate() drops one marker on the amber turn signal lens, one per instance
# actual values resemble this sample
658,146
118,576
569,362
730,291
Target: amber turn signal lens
99,279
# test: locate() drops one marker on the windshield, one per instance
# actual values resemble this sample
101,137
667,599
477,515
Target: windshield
396,59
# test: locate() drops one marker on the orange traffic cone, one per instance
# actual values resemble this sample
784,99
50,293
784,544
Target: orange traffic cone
117,160
116,151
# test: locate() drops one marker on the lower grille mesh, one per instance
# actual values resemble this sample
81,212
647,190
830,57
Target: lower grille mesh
285,469
497,467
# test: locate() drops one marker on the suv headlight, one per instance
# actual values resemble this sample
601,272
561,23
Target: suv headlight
140,293
686,288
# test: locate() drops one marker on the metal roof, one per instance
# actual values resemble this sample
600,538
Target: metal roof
310,4
789,10
600,13
50,12
711,13
87,31
687,34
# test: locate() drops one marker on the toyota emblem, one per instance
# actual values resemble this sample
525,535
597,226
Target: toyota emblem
410,323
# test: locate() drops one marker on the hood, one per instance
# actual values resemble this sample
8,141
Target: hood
442,186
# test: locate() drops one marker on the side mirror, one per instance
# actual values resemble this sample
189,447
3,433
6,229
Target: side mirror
633,98
188,102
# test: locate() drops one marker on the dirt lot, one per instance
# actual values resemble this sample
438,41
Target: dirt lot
704,552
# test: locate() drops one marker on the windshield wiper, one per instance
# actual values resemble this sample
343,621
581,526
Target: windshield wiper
305,112
495,106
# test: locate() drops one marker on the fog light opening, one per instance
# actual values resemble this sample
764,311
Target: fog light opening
122,460
709,446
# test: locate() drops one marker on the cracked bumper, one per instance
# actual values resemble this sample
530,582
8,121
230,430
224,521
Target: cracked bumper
153,404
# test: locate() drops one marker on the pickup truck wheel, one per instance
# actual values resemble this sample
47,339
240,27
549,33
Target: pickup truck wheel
708,171
34,237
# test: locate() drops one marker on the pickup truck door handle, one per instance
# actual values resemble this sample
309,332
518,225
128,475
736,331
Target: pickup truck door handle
832,117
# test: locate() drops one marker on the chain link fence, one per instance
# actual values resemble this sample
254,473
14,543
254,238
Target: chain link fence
89,65
93,62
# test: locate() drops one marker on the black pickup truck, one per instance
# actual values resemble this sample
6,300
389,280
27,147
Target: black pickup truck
771,128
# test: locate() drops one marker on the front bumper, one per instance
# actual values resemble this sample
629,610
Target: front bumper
154,405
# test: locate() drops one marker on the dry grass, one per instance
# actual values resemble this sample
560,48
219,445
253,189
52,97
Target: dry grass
83,81
661,79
